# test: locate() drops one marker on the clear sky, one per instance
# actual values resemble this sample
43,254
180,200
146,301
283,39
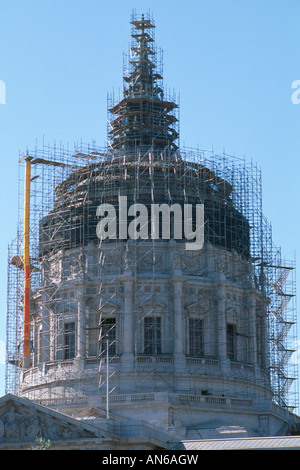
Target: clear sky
233,63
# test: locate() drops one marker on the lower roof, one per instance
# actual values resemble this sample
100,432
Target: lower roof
249,443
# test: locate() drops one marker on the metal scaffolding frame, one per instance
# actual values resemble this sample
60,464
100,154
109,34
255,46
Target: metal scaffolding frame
71,267
70,183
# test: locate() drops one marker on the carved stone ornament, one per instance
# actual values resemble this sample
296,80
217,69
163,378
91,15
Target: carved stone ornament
196,307
22,420
193,262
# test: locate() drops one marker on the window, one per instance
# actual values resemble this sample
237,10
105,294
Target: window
108,332
69,340
152,335
93,340
230,341
195,337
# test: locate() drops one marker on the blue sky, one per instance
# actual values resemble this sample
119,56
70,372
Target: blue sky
232,62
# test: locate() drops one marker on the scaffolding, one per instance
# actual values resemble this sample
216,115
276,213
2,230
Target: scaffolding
109,284
147,115
65,195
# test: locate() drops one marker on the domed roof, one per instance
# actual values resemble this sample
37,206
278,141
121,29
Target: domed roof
152,179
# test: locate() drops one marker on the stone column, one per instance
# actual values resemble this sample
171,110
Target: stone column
263,305
221,323
45,329
81,316
179,352
252,328
128,327
81,328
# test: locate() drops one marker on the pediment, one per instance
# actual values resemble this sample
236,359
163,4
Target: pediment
152,305
232,311
196,307
108,307
22,420
67,307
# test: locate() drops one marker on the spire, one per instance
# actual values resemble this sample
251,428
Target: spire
144,117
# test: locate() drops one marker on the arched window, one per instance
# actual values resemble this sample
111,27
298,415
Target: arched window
152,335
108,333
231,341
196,348
69,340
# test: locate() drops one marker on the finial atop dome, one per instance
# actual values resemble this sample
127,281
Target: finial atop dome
144,117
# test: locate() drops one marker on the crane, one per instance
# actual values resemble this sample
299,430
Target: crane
26,252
